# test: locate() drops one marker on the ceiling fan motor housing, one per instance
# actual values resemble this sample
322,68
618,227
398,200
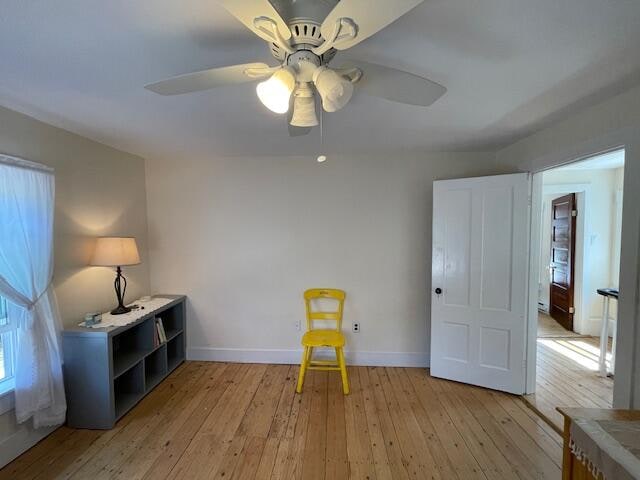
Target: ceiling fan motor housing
305,63
305,34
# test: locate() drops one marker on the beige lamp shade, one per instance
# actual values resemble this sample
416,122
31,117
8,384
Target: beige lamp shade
115,252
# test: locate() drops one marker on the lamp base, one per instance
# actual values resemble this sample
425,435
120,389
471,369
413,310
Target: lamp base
120,286
120,309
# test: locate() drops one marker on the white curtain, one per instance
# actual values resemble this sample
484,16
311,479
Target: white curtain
26,271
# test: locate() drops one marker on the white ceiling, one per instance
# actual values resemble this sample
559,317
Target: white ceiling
604,161
510,67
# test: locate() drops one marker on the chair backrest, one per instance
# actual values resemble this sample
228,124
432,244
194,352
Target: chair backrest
318,293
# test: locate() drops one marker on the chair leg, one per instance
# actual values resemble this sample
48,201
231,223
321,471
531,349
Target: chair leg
343,370
310,356
303,369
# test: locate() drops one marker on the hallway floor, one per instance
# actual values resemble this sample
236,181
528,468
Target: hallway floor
567,366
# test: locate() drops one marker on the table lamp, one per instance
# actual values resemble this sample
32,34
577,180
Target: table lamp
116,252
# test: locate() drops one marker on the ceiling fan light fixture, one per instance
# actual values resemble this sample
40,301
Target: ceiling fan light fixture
304,112
275,92
334,89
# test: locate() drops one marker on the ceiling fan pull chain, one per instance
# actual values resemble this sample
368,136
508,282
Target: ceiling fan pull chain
321,128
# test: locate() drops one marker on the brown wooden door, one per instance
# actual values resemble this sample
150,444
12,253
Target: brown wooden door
563,246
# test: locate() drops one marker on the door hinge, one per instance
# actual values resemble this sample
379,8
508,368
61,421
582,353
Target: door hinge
572,310
574,213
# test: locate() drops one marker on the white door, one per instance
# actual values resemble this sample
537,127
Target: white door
479,280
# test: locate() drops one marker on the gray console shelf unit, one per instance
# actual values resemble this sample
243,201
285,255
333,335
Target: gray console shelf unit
108,370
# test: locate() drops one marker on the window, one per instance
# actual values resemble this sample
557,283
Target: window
7,343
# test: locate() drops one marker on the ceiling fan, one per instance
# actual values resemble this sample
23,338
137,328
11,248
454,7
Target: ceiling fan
304,35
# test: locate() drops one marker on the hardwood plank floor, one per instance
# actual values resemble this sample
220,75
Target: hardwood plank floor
242,421
567,376
549,328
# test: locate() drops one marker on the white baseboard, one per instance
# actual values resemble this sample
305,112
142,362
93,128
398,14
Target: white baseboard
17,439
371,359
543,307
595,325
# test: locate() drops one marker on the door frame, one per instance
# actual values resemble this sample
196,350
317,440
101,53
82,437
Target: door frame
583,253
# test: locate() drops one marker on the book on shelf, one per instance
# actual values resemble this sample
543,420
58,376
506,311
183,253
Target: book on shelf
161,332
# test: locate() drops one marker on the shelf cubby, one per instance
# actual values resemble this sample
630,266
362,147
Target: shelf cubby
175,351
155,367
173,321
131,346
128,389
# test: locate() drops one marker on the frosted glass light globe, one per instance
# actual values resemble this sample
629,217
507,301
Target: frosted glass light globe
275,92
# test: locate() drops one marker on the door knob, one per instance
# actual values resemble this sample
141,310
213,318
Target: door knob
438,291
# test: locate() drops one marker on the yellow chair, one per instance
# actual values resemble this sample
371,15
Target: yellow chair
332,338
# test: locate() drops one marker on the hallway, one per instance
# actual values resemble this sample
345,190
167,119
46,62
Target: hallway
566,376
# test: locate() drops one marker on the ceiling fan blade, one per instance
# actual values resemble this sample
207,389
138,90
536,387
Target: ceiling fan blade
370,17
397,85
248,10
207,79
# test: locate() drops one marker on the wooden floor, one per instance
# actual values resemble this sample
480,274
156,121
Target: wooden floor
232,421
548,327
567,376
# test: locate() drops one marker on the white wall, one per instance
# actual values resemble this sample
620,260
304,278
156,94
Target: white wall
606,126
600,250
616,239
243,237
99,191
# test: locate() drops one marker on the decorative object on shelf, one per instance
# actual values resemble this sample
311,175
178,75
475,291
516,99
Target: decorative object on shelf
92,319
117,252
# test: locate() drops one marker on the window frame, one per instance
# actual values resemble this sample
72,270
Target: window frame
8,334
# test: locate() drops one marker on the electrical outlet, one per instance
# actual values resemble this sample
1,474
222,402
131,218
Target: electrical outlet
298,325
355,326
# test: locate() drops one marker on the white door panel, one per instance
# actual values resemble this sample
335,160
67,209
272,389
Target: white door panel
480,248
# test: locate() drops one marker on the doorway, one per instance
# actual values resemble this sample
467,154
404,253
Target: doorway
578,218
